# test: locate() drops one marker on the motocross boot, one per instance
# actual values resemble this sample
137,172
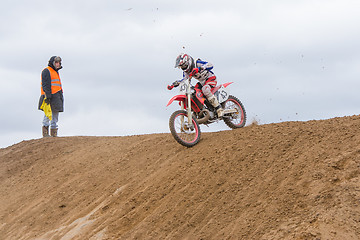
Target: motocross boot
217,106
53,132
45,131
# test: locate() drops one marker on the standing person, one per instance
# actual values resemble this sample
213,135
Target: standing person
51,91
201,71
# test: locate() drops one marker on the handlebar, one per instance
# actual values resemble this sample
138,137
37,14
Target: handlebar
170,87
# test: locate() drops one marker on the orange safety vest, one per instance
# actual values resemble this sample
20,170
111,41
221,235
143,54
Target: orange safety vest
55,82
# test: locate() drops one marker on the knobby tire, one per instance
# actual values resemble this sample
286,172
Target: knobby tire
231,121
182,134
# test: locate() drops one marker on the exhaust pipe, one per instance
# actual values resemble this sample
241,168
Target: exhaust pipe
206,117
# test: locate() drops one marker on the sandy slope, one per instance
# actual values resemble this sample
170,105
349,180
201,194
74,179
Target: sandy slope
293,180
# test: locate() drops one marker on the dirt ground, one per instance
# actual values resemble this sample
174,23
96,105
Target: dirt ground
291,180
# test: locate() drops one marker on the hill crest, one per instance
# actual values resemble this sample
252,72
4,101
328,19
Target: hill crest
290,180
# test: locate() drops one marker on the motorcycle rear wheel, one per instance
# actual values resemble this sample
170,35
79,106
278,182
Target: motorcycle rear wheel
235,120
185,134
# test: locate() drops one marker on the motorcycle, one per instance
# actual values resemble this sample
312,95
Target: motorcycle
196,110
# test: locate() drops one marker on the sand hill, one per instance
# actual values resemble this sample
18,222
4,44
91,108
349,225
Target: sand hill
291,180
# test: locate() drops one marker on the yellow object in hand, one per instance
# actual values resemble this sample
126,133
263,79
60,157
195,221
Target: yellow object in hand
47,109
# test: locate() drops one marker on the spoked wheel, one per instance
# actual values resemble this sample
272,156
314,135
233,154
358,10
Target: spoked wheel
184,133
238,119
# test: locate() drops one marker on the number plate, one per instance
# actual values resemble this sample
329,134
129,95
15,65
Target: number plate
182,87
223,95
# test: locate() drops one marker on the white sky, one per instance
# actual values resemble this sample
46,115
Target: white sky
290,60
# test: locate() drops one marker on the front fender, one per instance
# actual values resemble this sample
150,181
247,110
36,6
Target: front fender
180,98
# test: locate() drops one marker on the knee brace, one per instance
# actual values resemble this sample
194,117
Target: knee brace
206,89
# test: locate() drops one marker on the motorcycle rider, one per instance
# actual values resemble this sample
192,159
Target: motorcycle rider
201,71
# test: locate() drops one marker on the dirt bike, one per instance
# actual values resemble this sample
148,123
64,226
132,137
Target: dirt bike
196,109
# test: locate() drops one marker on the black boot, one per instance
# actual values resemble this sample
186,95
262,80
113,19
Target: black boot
45,131
53,132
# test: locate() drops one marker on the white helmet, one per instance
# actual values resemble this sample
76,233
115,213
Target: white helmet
185,62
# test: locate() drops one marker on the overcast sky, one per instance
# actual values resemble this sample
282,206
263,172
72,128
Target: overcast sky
289,60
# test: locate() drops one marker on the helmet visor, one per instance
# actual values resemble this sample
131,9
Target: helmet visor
177,62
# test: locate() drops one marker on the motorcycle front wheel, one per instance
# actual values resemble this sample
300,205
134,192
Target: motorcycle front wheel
184,133
235,120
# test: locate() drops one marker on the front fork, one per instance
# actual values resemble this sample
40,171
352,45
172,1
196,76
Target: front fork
189,110
189,124
182,117
188,94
